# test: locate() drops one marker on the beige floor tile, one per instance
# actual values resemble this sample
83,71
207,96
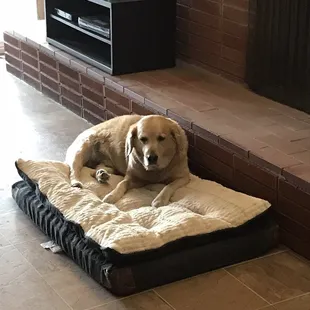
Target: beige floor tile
16,227
213,291
43,260
77,289
14,268
276,277
144,301
30,295
298,303
7,203
3,241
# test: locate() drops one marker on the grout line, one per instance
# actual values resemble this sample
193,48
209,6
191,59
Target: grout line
248,287
266,307
115,300
291,298
299,257
40,275
257,258
163,299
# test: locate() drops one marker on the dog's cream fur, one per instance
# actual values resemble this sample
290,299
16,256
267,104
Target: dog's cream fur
123,145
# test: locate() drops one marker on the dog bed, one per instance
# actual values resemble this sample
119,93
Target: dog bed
130,246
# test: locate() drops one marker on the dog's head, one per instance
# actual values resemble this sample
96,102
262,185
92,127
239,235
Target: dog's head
156,140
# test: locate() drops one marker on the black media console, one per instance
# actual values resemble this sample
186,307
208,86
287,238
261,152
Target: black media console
138,35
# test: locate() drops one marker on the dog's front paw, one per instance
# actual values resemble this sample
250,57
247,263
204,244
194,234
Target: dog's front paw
75,183
160,201
102,176
110,198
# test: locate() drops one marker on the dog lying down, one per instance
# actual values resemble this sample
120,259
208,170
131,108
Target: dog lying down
144,149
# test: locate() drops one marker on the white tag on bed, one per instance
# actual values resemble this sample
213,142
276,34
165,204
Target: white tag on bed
52,246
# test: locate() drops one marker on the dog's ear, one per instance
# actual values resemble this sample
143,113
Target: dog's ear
131,135
180,138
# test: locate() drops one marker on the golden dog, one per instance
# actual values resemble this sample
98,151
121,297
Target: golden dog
144,149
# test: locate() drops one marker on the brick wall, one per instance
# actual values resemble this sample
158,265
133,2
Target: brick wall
213,34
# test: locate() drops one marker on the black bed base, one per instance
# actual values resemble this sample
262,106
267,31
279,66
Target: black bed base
127,274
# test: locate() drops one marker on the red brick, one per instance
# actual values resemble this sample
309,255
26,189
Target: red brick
234,29
29,49
290,122
30,60
13,71
214,150
241,4
272,159
281,144
48,71
93,119
116,109
47,60
70,95
293,211
294,193
135,93
203,18
299,231
31,71
207,6
13,61
205,45
182,24
32,82
75,108
190,137
69,83
180,117
11,40
184,2
238,44
92,84
11,50
232,68
251,187
117,98
140,109
235,14
233,55
298,175
50,83
69,72
50,93
260,175
297,245
94,108
182,11
94,96
109,115
212,164
206,32
304,157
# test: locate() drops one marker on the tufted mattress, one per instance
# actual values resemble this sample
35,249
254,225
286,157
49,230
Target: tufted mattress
130,246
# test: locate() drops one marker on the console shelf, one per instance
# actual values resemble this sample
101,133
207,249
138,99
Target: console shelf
142,33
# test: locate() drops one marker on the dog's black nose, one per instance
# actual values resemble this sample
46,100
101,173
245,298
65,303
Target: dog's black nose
152,159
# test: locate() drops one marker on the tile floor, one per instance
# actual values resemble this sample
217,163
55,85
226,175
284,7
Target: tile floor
32,278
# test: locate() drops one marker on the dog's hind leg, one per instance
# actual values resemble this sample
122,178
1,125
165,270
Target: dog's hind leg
77,155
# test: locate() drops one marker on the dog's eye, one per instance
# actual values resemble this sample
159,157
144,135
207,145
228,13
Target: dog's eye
143,140
161,138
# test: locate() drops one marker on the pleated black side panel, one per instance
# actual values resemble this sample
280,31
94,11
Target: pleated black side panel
278,57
